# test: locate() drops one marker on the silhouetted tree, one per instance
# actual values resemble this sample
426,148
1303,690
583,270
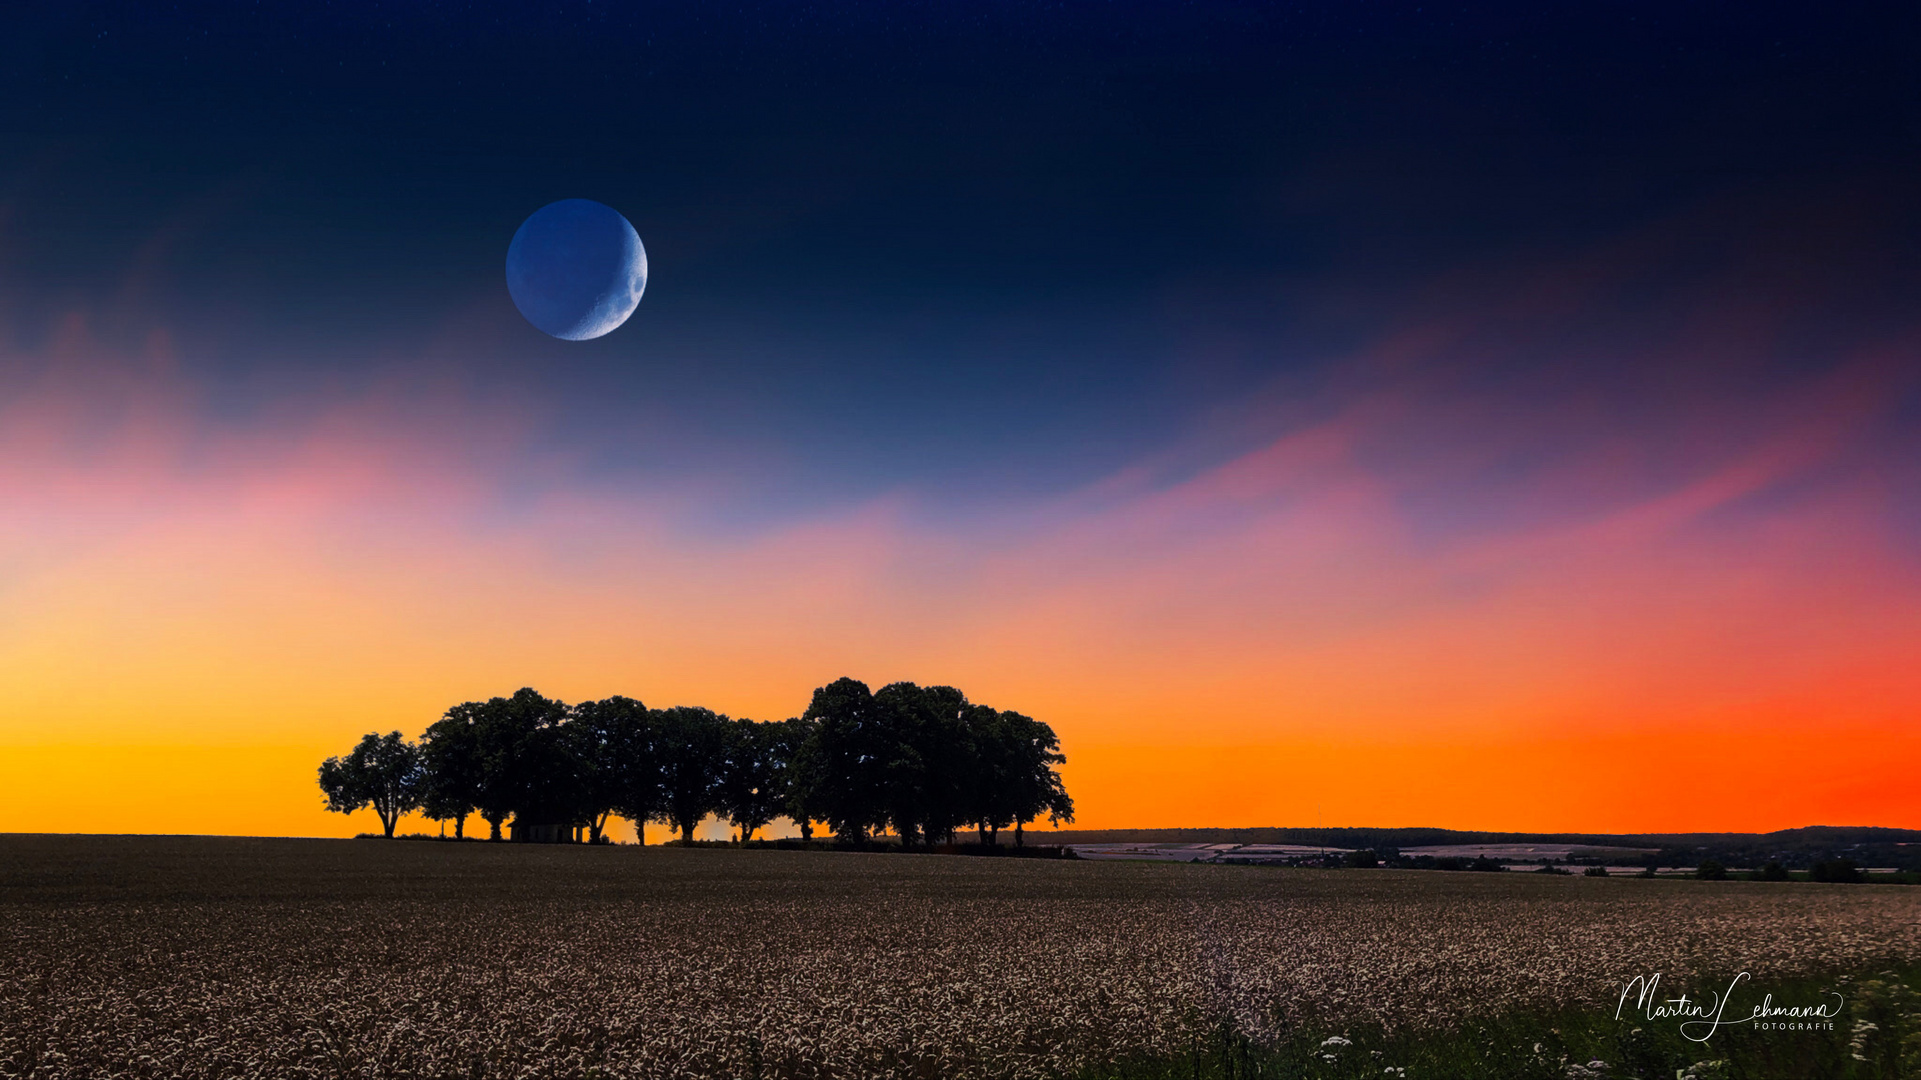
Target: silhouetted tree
693,751
1037,788
795,744
997,761
608,742
382,771
523,770
846,760
936,762
625,762
753,776
451,768
1774,871
901,739
553,791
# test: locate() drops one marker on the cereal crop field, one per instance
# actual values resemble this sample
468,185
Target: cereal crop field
201,957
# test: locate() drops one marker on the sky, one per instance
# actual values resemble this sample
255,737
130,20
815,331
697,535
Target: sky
1493,417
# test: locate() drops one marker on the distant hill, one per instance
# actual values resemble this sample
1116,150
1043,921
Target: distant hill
1866,845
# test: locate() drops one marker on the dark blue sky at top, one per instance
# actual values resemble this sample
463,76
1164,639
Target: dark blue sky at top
986,247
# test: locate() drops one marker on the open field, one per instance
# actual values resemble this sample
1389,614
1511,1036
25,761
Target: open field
280,958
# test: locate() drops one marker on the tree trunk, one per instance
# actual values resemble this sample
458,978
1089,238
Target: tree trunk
1019,841
494,825
980,829
460,826
687,832
994,836
806,829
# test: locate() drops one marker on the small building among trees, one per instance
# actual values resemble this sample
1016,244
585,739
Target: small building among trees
541,832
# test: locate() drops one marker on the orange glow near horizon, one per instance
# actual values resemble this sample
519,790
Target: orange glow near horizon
192,618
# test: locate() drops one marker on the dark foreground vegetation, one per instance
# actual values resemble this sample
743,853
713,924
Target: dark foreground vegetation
1875,1035
923,762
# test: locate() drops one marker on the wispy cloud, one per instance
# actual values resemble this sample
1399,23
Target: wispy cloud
1541,575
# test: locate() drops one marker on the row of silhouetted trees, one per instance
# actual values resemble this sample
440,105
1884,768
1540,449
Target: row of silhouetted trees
921,761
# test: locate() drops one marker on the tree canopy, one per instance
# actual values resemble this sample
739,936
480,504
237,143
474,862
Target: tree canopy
921,761
382,771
